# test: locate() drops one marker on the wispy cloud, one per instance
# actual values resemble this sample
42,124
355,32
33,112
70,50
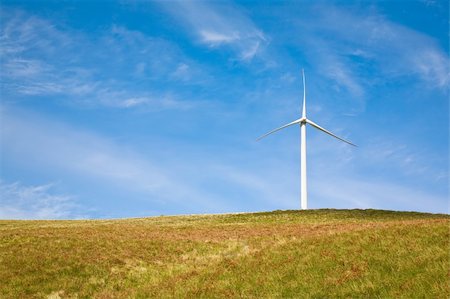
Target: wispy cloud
214,38
22,34
36,202
408,159
23,68
220,25
47,145
31,67
90,155
339,48
338,69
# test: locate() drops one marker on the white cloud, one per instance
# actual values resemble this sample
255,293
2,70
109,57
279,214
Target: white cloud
133,102
142,50
31,67
214,38
337,71
21,34
121,99
89,155
250,52
19,68
220,24
35,202
359,49
432,66
396,49
182,72
65,152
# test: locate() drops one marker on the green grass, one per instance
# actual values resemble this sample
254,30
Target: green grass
307,254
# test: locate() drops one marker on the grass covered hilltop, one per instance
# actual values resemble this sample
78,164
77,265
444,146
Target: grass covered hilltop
314,253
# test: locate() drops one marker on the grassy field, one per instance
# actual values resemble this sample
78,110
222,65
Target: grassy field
307,254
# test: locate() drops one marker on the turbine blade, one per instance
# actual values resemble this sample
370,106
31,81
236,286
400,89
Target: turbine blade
280,128
304,95
326,131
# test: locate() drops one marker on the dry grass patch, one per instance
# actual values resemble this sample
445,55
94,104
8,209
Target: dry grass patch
322,253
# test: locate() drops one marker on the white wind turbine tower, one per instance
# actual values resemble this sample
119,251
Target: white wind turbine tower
302,122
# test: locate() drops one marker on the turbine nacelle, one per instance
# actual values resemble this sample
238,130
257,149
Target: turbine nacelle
305,121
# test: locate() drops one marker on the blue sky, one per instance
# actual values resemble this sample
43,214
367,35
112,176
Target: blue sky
139,108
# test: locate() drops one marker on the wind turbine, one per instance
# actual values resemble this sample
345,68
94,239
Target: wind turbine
303,121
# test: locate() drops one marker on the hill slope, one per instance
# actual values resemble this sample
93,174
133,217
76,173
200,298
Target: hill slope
315,253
